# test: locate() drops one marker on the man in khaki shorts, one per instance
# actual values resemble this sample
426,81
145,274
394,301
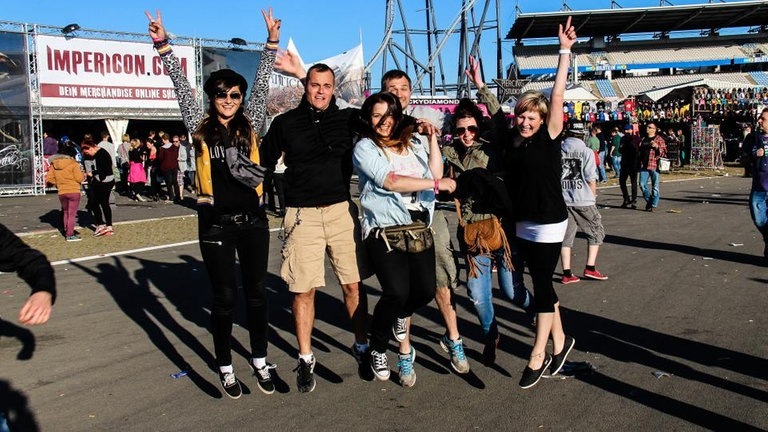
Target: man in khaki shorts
317,140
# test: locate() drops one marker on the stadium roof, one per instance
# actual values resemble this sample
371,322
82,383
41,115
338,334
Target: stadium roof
614,22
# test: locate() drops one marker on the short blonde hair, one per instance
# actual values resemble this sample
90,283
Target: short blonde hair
126,137
532,100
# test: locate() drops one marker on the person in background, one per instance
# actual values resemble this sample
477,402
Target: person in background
88,166
746,148
758,196
186,154
629,166
594,142
137,175
232,221
67,175
107,145
191,164
123,165
579,183
150,150
167,162
684,148
278,178
652,148
101,180
615,153
50,145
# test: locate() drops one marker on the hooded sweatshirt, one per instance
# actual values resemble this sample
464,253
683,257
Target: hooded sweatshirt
65,173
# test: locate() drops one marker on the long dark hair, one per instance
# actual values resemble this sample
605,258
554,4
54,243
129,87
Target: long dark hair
400,136
238,129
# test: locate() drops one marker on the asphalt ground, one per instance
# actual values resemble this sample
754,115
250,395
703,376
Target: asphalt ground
685,302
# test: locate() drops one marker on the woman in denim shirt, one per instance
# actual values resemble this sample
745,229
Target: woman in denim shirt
398,181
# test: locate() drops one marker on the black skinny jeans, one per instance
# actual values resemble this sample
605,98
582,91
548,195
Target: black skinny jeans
218,244
100,205
407,282
541,259
627,172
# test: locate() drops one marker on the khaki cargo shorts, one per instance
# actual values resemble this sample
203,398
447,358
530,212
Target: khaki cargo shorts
311,233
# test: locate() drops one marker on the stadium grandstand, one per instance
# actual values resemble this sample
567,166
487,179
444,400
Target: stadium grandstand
635,50
700,68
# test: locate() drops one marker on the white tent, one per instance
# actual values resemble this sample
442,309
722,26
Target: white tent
575,92
659,93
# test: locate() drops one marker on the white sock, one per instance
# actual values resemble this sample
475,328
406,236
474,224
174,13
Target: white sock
226,369
307,357
259,362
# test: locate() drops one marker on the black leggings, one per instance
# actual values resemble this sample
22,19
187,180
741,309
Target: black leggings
541,259
407,282
218,245
100,201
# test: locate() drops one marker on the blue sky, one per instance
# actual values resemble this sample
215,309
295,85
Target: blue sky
320,29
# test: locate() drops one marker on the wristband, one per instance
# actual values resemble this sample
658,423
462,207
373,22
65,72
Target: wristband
163,49
564,51
437,186
273,41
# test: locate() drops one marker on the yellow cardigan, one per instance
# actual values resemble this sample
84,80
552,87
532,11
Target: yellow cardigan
203,181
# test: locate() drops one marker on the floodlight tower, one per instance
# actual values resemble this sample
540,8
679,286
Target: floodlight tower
419,50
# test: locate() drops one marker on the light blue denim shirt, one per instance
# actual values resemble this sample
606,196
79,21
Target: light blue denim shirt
383,208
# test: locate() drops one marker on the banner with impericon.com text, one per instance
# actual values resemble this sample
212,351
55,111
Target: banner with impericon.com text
107,74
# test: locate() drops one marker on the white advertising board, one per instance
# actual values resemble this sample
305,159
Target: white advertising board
76,72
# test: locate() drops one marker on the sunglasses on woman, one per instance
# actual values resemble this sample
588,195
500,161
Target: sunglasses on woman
461,130
222,95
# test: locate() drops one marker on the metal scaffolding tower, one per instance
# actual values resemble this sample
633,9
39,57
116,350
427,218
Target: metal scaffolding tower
419,51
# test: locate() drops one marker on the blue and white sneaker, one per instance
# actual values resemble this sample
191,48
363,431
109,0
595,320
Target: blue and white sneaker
405,368
456,349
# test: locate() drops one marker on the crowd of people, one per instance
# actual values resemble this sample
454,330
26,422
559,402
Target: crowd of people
159,167
520,193
394,149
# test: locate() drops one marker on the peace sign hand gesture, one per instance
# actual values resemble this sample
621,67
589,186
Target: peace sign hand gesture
273,24
156,29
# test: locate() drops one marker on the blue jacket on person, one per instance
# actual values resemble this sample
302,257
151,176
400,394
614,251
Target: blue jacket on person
381,207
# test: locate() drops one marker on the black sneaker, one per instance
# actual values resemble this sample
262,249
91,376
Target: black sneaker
399,329
380,365
230,384
264,378
558,360
531,377
305,375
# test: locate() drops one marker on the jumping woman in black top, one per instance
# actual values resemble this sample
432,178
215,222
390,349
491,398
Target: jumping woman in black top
226,146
